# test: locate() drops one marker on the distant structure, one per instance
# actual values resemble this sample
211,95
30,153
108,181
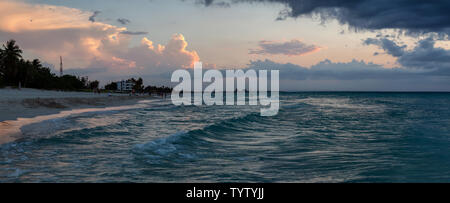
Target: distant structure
125,85
60,67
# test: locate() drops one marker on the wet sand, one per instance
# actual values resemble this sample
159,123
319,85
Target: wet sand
21,107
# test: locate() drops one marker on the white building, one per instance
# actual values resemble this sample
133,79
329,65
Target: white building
125,85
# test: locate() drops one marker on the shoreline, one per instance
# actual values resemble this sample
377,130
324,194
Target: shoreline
22,107
28,103
28,108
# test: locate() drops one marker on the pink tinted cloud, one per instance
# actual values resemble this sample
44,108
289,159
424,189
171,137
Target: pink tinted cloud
51,31
174,54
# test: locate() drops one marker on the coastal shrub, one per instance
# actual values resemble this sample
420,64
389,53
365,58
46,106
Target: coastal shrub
111,86
154,89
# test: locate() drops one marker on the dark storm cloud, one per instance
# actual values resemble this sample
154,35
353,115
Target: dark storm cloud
123,21
94,15
387,45
424,55
415,16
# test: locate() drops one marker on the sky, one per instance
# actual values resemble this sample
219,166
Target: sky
354,45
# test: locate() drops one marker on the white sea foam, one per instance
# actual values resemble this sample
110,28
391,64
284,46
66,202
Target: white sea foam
43,125
336,103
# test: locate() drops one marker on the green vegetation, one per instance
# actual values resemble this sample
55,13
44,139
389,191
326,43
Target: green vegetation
138,85
111,86
154,89
16,71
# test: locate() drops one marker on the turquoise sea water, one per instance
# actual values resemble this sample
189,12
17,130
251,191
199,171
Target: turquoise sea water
316,137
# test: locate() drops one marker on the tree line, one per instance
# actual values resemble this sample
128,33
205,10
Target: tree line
16,71
139,87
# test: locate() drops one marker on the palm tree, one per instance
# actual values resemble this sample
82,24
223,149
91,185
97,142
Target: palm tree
10,56
25,72
36,63
11,49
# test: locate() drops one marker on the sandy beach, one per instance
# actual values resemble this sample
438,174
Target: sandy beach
18,107
27,103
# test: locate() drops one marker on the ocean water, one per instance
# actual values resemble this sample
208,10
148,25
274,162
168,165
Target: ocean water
316,137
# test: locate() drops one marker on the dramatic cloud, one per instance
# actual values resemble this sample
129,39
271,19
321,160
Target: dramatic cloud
123,21
52,31
413,16
419,18
291,48
95,14
47,32
424,55
388,45
173,55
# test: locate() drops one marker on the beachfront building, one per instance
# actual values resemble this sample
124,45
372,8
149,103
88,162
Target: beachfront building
125,85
